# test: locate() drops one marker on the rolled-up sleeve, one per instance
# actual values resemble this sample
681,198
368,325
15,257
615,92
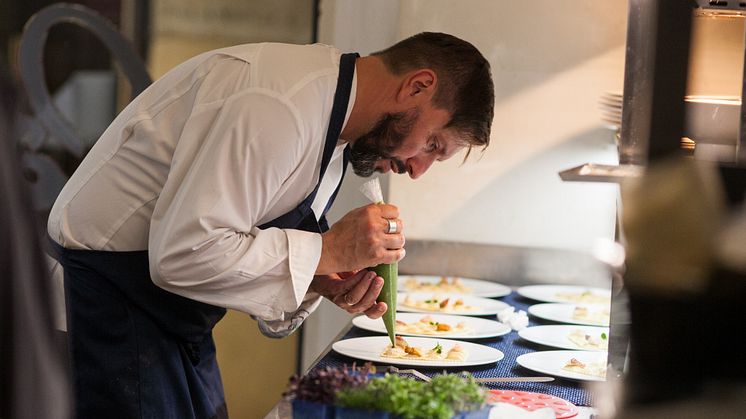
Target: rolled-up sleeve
204,242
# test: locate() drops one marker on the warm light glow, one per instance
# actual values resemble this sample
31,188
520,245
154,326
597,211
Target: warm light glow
720,13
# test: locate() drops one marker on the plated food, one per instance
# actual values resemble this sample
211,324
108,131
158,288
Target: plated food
376,349
442,304
593,315
403,350
589,338
440,325
575,365
591,341
451,285
449,304
566,294
427,325
593,369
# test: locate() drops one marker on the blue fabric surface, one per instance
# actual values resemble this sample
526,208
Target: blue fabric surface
511,345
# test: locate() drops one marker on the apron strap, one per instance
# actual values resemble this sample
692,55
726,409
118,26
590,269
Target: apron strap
295,217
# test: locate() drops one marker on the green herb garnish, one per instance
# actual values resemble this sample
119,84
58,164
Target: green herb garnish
603,336
408,398
431,301
434,323
438,349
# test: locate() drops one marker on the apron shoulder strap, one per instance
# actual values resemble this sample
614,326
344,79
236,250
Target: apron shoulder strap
295,217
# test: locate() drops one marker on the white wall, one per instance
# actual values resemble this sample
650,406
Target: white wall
551,61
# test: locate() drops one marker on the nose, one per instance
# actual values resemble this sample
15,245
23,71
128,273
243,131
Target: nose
417,166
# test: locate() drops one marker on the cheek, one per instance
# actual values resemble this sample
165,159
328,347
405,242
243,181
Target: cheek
407,149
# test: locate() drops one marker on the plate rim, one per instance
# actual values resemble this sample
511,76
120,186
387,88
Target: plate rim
570,320
451,337
399,307
505,290
521,291
575,377
500,355
521,332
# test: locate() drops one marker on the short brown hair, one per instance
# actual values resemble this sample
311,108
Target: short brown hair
465,85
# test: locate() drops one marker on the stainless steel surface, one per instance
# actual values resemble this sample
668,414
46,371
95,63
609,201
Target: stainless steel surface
509,265
637,102
655,76
591,172
712,120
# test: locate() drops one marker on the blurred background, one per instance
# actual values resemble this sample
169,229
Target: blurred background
551,63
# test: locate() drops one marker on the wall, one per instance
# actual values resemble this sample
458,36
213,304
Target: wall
550,64
551,61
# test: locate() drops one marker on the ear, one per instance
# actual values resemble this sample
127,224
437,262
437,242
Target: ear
418,85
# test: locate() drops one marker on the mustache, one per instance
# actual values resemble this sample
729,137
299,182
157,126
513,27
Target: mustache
400,166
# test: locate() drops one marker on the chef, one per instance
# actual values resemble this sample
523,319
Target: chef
209,191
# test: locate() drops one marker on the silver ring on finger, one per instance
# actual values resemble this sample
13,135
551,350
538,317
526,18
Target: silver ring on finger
393,226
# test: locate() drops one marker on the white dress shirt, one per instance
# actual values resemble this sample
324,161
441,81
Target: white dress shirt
221,144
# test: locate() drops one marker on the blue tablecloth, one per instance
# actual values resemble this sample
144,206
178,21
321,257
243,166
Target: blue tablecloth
511,345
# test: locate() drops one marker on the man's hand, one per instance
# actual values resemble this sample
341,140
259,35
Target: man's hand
352,292
361,240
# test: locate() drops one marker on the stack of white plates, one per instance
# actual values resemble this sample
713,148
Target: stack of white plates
610,104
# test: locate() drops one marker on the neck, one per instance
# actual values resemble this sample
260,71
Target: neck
376,90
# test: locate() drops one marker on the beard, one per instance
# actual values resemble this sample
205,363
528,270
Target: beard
381,142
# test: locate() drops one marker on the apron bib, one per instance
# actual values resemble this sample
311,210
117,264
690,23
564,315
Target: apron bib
139,351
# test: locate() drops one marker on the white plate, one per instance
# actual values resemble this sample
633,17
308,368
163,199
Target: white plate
559,312
478,287
556,335
479,328
551,363
553,293
487,307
370,348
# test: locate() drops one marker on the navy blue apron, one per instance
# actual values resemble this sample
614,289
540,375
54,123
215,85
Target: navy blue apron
139,351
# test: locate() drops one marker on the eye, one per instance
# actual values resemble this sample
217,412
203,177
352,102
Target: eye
432,145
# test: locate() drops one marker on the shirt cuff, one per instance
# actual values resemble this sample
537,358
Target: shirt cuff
282,328
304,253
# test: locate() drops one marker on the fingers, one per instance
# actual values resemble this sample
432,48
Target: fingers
362,239
387,210
376,311
393,255
362,297
393,241
345,275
